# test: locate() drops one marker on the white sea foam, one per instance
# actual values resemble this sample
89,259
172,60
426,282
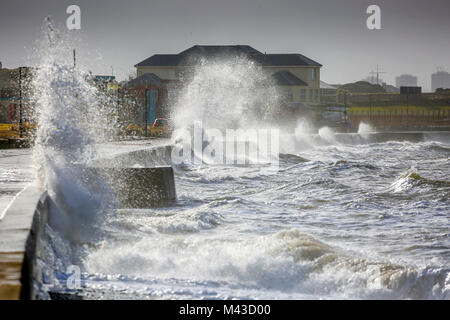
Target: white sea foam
364,128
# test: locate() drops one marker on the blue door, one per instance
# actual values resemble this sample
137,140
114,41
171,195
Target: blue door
150,115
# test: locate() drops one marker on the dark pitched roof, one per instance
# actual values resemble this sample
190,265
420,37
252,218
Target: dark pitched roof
290,59
191,56
145,79
160,60
220,50
286,78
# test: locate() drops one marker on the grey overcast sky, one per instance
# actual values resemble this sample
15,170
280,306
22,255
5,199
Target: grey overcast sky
414,39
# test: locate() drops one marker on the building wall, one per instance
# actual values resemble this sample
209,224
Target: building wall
328,95
165,73
311,93
440,79
5,104
405,80
133,112
5,78
299,94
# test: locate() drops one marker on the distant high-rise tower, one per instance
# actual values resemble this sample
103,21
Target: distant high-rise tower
440,79
405,80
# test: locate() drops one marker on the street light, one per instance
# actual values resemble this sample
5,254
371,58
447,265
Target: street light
20,103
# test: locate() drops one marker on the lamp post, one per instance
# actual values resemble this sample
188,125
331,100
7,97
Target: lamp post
20,103
118,102
146,111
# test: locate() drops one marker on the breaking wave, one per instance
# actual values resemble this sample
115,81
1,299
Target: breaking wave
411,181
289,261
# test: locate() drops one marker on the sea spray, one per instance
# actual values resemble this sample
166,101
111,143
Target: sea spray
365,129
225,94
71,120
328,135
231,93
303,134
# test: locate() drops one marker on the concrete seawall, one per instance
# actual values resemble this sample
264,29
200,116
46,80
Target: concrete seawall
21,223
141,178
139,187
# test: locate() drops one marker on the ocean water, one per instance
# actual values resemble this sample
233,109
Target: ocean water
342,220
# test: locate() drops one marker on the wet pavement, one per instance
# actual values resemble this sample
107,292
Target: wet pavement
16,172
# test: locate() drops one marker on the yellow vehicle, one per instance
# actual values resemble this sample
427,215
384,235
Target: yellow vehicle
27,128
8,131
11,131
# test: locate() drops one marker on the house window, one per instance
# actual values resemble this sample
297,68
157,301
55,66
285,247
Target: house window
313,74
288,96
302,94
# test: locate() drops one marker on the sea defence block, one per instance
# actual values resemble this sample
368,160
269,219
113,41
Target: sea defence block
158,156
139,187
139,179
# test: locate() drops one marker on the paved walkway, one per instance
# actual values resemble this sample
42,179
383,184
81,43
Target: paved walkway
16,173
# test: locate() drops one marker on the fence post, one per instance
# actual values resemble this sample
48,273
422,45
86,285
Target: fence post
407,110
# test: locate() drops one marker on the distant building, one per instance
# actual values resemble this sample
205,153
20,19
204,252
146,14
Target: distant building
440,79
104,78
6,78
9,93
297,76
150,90
9,77
406,80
